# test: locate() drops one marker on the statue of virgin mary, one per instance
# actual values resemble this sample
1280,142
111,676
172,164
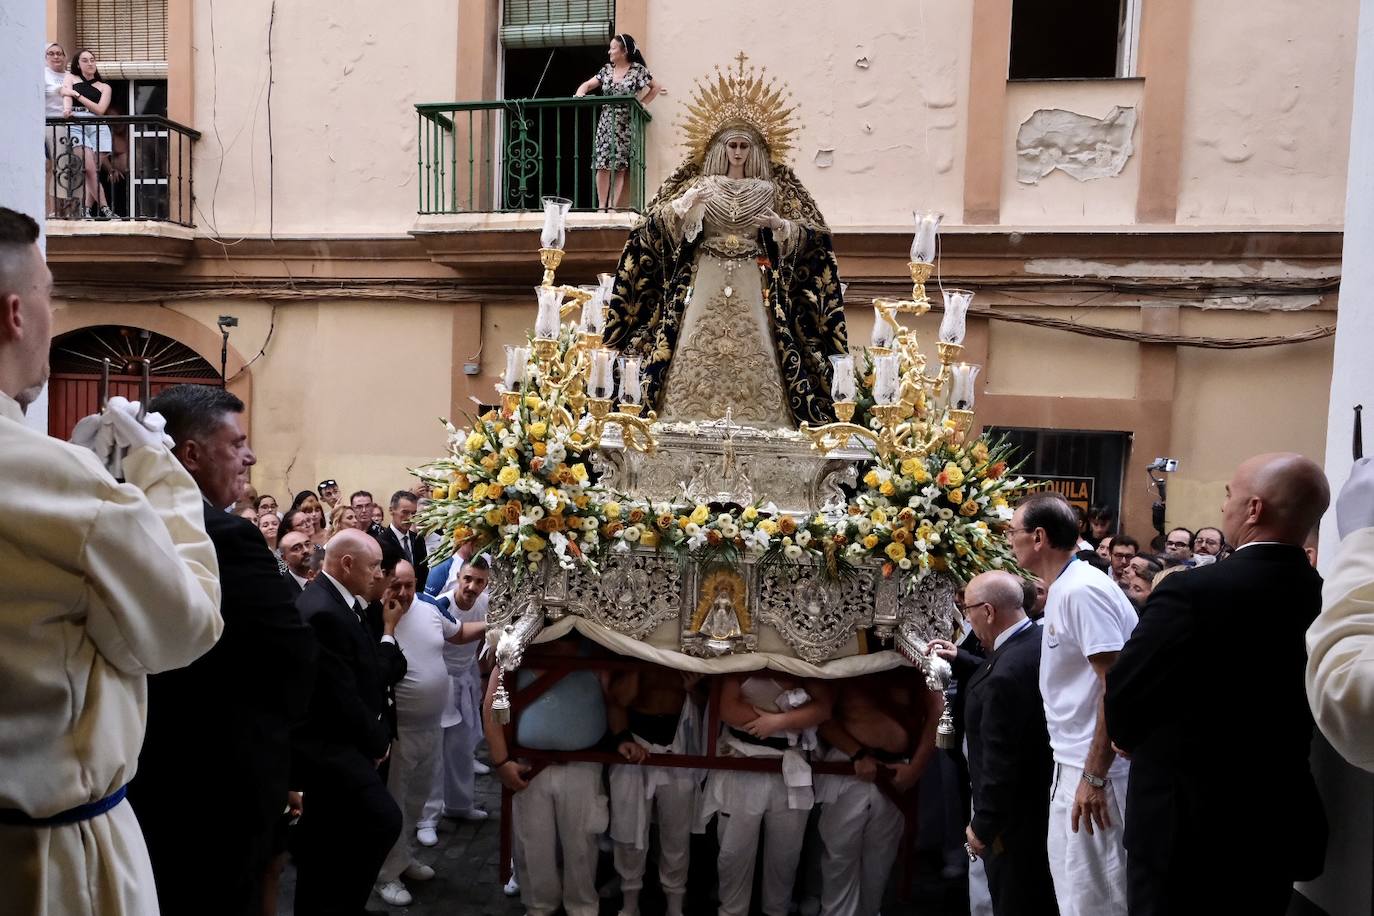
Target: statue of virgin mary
728,289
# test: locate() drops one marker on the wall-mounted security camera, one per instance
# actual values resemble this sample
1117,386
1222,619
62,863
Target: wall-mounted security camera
1167,465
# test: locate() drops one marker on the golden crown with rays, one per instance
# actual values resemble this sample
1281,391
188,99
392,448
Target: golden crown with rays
737,97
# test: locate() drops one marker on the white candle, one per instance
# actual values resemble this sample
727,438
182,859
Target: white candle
517,359
594,311
927,230
961,378
884,331
842,378
554,234
548,321
601,380
630,390
956,313
885,384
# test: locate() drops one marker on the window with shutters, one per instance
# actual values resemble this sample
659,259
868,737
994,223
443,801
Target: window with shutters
556,23
129,37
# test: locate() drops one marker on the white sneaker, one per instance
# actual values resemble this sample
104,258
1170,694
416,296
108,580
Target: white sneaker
474,814
426,836
416,871
395,894
479,768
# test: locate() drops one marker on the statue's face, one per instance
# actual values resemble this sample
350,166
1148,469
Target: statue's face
737,151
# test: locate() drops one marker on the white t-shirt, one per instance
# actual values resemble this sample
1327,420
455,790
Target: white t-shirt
423,692
463,656
52,92
1085,613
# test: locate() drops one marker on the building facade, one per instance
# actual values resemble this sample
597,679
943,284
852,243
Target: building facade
1147,199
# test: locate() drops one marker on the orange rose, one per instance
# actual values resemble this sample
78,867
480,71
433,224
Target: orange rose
512,512
713,537
494,491
664,521
636,516
787,525
611,529
901,535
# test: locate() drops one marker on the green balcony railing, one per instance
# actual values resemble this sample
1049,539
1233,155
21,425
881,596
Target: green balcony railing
504,155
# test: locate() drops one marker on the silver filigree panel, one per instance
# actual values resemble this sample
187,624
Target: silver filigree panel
813,616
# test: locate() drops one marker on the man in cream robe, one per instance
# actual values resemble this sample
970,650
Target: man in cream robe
103,583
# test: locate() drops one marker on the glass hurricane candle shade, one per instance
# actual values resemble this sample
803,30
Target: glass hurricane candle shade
548,320
927,230
886,378
606,283
593,311
842,386
601,378
555,233
884,332
517,361
956,315
961,378
630,390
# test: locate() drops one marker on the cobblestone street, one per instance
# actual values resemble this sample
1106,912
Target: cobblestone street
466,882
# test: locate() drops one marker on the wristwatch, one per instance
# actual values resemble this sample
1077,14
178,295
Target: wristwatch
1096,782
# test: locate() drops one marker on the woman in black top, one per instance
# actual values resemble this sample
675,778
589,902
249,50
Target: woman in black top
86,94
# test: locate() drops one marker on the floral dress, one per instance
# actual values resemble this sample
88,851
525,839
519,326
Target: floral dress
611,145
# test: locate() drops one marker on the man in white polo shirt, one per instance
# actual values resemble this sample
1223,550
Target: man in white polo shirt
1087,621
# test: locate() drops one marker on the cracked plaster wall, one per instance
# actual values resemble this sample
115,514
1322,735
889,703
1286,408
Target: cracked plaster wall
1058,199
882,94
343,121
1267,123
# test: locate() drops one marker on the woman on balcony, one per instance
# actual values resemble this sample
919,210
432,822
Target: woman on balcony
625,74
87,95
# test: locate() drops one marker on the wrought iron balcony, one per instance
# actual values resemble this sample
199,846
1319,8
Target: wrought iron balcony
504,155
119,168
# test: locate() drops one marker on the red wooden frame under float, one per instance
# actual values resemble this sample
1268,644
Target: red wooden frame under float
555,667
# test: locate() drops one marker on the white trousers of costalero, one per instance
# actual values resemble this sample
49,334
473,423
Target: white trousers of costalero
1089,870
562,810
860,829
408,780
637,792
454,789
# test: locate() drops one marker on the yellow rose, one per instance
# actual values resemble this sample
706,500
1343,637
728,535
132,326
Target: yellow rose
479,492
611,509
581,500
475,441
579,472
979,452
879,517
491,461
956,495
895,552
494,490
871,541
749,514
532,543
887,488
768,526
532,402
541,449
924,532
538,429
440,492
700,514
921,475
508,475
461,484
910,466
998,503
969,508
493,517
953,474
871,478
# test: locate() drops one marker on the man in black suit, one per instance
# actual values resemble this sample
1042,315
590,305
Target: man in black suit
402,535
218,735
295,551
1207,697
1008,749
350,820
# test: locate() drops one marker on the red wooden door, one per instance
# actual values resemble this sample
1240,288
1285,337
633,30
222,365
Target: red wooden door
72,396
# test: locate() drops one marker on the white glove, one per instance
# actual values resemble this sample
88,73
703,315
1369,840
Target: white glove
1355,505
112,435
